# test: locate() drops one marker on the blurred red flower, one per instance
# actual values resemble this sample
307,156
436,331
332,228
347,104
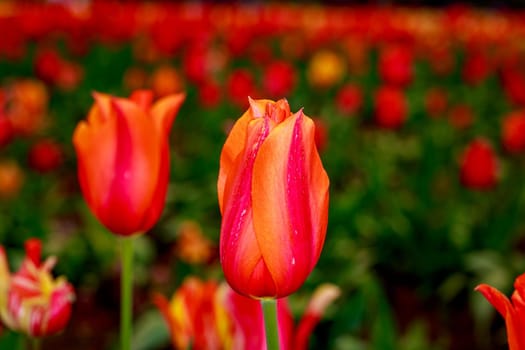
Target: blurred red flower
513,132
349,99
479,165
45,156
476,67
436,102
391,107
396,65
279,79
239,86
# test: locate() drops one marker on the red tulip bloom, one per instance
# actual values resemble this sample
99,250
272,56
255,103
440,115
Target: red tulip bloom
279,79
123,159
390,107
349,100
513,132
513,311
273,196
476,67
240,84
31,300
395,66
45,156
207,315
479,165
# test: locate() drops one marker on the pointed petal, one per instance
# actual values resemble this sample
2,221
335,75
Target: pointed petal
236,142
165,110
238,246
496,298
143,98
233,147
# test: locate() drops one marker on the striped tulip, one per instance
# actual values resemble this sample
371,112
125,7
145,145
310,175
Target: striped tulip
31,300
208,315
123,159
513,310
273,196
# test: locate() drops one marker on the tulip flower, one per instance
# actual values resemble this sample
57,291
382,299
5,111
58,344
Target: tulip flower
395,66
479,166
31,300
273,196
209,315
513,310
123,159
391,107
513,132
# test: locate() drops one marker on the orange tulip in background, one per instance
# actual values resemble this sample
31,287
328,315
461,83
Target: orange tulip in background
123,159
513,311
31,300
207,315
273,196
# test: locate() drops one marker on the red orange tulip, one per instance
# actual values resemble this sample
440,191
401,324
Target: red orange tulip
208,315
123,159
273,196
513,310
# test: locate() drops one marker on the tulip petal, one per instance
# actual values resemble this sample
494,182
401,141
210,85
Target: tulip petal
135,170
142,98
289,185
235,143
238,244
496,298
165,110
233,146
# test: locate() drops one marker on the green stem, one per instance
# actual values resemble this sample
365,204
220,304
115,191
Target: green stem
126,293
269,307
35,343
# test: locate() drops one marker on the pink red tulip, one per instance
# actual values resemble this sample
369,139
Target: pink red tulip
123,159
273,196
31,300
207,315
479,165
513,310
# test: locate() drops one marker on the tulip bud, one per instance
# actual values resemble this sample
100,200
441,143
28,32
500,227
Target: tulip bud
123,159
273,196
31,300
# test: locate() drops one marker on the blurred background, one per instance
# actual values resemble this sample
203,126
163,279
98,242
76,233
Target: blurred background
420,126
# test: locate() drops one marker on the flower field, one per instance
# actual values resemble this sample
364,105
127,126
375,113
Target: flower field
419,118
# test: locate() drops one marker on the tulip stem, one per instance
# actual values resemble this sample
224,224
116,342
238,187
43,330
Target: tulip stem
269,307
35,343
126,292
